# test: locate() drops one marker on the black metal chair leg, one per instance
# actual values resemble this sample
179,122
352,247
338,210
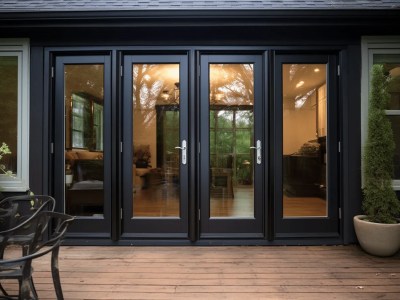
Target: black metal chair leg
33,289
3,290
24,290
56,273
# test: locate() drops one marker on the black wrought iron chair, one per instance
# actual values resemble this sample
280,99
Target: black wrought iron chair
23,207
16,209
20,268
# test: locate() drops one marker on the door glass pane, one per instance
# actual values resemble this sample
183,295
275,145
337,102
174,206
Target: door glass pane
155,169
391,64
84,168
9,112
231,135
304,140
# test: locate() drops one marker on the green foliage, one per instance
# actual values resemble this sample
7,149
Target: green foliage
380,202
4,150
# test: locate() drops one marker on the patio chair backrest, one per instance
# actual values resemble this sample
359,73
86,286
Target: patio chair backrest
16,209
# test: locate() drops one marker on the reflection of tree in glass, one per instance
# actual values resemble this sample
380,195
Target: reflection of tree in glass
234,82
88,79
149,82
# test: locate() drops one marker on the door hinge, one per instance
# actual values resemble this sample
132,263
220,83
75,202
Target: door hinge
121,71
52,148
339,147
121,213
52,72
120,147
340,213
338,70
199,214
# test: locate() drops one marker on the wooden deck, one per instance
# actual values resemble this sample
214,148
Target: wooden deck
323,272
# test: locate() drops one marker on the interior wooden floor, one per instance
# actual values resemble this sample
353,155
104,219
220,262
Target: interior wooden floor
235,273
164,202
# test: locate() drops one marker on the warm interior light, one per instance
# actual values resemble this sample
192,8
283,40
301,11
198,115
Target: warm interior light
299,84
395,72
165,95
316,70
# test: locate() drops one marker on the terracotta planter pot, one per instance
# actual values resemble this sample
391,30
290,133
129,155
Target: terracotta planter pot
377,238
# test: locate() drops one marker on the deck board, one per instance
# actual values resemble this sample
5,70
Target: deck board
315,272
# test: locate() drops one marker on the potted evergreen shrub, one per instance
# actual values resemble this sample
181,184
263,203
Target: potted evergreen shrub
378,231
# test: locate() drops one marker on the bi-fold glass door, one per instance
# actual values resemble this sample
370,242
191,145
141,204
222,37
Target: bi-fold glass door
82,142
259,166
306,159
232,154
155,151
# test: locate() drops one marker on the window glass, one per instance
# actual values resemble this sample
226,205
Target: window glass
14,115
9,110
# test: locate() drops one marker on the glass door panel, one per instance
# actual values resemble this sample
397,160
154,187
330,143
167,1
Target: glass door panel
230,92
231,136
84,165
154,133
304,140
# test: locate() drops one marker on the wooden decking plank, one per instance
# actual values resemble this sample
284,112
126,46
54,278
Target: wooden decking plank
137,275
339,272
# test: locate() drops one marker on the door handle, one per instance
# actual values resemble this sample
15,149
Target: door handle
258,151
183,151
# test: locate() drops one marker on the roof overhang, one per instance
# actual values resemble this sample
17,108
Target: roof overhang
199,18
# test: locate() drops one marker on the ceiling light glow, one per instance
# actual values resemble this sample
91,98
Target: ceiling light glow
299,84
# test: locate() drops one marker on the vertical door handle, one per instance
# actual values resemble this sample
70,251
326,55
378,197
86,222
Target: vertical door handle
258,151
183,151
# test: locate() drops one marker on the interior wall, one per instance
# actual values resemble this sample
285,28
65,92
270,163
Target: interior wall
299,125
145,131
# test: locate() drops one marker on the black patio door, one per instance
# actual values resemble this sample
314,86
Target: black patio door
136,159
232,156
155,146
82,142
306,148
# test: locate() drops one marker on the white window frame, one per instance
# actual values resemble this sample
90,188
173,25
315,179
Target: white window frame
19,182
369,47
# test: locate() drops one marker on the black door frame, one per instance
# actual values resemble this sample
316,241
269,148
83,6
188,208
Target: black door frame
212,228
194,190
98,227
142,227
303,227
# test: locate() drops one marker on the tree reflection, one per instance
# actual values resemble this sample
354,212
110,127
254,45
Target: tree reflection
153,84
232,84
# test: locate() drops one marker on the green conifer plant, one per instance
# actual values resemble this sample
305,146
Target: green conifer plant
380,202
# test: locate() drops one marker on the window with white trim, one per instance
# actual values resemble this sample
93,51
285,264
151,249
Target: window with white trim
384,51
14,114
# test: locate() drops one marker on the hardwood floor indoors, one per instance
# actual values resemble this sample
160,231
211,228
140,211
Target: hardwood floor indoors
164,202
